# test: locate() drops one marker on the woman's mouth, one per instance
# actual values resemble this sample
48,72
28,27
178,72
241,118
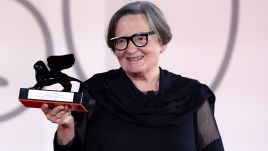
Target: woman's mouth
135,58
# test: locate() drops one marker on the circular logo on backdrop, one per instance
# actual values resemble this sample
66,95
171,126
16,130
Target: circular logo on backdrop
70,45
3,81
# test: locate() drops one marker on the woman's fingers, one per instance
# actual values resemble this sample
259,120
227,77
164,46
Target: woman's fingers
60,114
44,108
66,120
56,110
67,108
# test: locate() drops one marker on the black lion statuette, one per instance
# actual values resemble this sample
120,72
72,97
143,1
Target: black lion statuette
46,77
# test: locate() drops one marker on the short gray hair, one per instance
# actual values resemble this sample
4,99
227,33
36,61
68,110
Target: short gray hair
154,15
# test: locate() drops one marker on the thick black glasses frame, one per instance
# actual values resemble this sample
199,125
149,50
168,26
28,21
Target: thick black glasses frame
113,40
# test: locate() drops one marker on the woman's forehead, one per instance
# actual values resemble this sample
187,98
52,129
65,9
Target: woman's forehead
131,24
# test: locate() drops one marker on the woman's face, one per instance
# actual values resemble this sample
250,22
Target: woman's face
138,60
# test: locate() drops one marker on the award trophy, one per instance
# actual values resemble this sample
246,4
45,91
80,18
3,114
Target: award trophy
35,96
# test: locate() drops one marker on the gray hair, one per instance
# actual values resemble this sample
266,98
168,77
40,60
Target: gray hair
154,15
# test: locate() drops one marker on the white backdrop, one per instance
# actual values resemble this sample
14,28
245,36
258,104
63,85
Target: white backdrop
221,43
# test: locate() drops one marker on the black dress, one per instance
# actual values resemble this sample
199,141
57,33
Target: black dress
179,117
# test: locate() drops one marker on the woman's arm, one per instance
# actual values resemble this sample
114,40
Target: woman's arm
65,135
209,138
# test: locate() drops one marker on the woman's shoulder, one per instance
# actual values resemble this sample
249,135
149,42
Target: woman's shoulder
98,79
172,77
180,83
185,86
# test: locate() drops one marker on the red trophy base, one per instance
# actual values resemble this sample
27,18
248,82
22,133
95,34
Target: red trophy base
36,98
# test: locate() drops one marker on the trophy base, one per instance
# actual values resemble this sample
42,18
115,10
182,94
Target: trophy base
36,98
38,104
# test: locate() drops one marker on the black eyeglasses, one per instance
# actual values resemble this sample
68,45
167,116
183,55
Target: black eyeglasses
138,39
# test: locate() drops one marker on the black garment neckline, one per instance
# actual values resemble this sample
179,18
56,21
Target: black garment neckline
176,99
149,92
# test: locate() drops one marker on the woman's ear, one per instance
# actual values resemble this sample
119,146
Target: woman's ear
163,48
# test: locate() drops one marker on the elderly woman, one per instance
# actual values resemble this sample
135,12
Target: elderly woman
140,106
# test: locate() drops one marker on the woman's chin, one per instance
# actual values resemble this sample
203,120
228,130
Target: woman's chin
134,71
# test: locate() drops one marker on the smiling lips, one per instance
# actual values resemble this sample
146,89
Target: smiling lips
135,58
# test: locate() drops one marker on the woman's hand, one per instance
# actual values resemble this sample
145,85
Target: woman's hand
62,116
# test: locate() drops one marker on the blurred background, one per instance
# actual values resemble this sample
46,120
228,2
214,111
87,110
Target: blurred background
223,44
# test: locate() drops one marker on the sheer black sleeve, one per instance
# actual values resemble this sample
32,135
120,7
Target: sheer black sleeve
209,138
77,144
74,145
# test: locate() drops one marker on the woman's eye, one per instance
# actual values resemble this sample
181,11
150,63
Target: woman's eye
120,41
140,38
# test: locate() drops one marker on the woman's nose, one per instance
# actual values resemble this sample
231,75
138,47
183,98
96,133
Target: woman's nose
131,47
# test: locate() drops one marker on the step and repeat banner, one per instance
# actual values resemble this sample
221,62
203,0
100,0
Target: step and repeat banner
221,43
